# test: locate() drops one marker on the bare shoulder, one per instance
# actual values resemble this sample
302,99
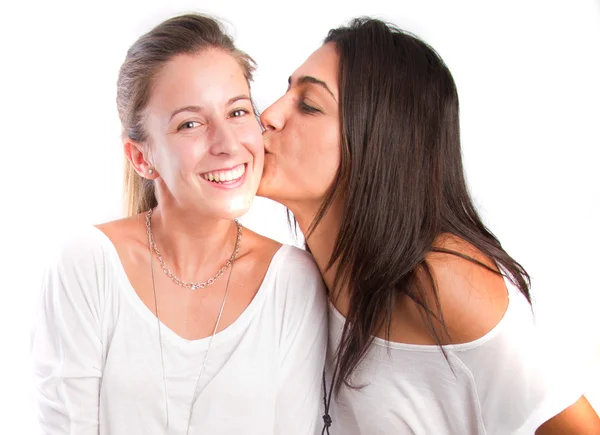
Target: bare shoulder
473,298
121,228
258,246
256,254
127,235
296,267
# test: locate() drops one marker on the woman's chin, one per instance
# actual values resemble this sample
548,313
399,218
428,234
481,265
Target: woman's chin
237,208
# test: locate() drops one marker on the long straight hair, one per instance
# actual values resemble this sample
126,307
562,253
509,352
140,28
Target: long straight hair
401,182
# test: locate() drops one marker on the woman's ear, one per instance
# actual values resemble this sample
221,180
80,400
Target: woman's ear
138,159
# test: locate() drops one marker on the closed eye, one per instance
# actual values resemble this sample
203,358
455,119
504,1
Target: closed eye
307,109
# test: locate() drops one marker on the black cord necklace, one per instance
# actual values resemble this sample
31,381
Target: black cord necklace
327,421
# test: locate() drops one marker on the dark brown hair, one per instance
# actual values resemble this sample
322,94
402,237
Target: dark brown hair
400,180
185,34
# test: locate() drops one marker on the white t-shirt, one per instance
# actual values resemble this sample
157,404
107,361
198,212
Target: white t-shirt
98,365
507,382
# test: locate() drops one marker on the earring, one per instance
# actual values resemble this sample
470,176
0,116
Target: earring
150,171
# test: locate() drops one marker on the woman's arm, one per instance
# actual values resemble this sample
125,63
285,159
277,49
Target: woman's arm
67,346
578,419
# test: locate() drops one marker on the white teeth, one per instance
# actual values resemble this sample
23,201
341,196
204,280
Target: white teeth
224,176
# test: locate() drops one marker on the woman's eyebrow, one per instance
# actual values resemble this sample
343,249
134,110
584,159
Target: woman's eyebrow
313,81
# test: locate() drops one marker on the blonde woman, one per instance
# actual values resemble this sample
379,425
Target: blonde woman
176,319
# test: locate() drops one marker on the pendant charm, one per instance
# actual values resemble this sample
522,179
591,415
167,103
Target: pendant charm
193,287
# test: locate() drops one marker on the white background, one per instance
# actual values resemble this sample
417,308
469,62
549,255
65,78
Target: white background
528,75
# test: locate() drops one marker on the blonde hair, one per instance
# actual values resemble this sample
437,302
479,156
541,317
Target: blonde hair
138,192
185,34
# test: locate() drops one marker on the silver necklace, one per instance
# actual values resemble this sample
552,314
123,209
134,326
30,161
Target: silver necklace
187,284
162,359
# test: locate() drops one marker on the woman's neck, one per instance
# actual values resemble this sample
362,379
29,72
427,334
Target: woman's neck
194,247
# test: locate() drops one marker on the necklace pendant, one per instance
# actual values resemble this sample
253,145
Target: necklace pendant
193,287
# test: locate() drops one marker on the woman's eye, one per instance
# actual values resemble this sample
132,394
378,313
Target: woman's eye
307,109
187,125
239,112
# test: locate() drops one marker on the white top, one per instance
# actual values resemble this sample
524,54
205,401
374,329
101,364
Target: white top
507,382
97,357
